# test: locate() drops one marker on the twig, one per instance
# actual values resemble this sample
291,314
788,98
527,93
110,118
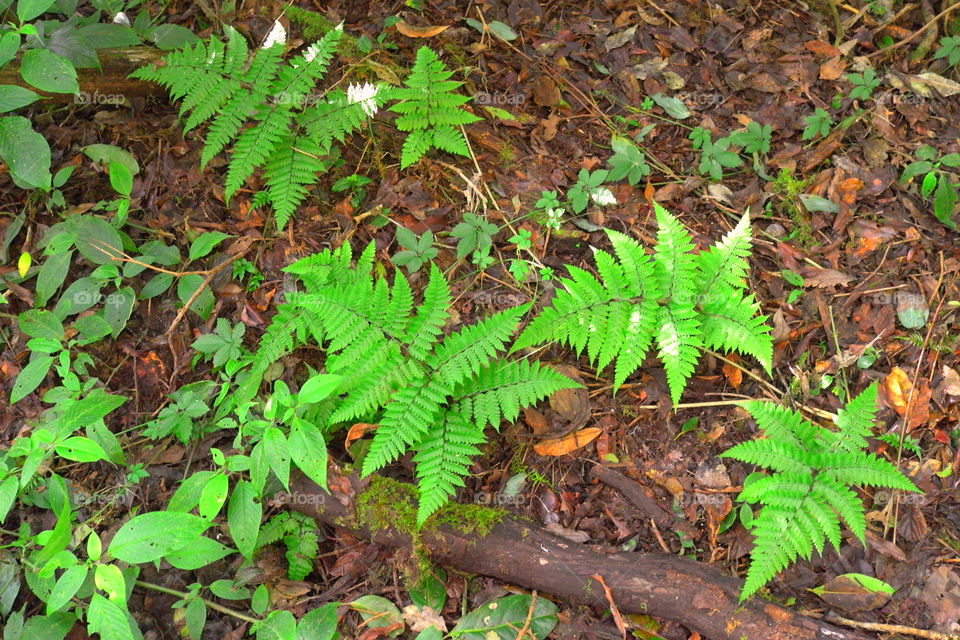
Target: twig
892,628
617,618
211,273
526,623
209,603
916,33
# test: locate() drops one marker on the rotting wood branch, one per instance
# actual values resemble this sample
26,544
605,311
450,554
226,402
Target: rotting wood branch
690,593
108,85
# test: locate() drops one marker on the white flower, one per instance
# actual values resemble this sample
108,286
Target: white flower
365,94
554,218
603,196
277,34
121,18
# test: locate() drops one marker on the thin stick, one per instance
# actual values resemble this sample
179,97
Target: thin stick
893,628
209,603
915,33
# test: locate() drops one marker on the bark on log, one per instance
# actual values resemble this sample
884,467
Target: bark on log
101,85
690,593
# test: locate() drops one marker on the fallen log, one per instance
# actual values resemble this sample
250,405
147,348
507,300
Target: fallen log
492,543
107,85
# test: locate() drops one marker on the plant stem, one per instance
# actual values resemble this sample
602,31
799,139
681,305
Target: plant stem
212,605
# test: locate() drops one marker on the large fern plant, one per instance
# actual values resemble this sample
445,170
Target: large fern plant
430,394
814,471
681,301
265,108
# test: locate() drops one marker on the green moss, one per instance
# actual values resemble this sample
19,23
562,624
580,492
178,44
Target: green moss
389,504
467,518
386,504
506,152
457,55
315,25
789,190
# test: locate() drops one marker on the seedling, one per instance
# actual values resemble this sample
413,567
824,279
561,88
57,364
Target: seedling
936,181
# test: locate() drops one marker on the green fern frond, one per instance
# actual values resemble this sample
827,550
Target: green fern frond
413,411
430,111
503,387
777,455
429,394
302,548
415,146
462,354
274,529
427,324
226,124
733,323
443,460
291,324
868,470
675,266
255,145
289,133
854,422
782,424
639,299
291,167
448,139
333,119
305,70
726,262
680,344
277,342
811,487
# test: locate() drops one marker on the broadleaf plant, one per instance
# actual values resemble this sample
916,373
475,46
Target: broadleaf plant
936,180
810,487
681,301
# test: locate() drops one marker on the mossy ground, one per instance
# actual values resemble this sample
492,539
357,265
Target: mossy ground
388,503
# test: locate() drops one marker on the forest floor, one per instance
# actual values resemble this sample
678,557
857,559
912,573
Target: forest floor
857,280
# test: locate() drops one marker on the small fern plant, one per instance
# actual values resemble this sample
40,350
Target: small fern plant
299,535
265,108
430,394
682,301
429,110
811,485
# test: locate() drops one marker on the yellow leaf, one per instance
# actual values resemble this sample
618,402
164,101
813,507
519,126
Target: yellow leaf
23,264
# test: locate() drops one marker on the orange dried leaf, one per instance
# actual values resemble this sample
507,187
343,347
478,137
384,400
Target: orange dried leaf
896,390
734,374
566,444
420,32
357,431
